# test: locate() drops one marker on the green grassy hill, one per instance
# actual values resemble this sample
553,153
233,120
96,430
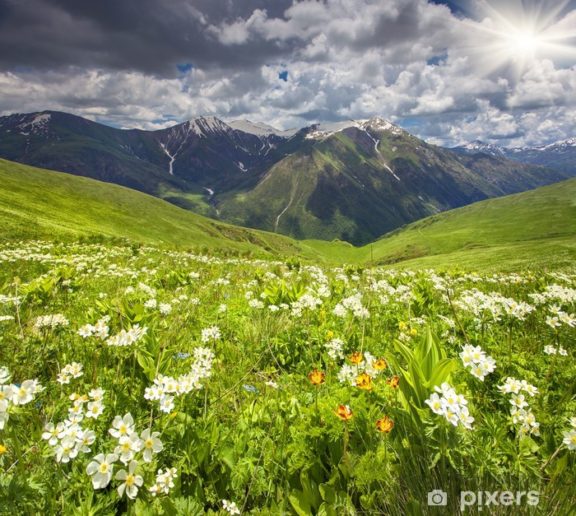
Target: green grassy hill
535,228
43,204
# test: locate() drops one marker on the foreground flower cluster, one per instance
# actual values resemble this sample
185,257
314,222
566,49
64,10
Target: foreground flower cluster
145,381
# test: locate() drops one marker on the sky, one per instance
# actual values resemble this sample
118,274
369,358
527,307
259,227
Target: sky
502,71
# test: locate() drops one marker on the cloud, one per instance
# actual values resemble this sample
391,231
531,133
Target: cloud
148,63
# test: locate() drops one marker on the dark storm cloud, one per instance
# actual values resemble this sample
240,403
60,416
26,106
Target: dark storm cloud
152,36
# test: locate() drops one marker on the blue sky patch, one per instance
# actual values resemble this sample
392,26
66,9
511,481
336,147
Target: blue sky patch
184,67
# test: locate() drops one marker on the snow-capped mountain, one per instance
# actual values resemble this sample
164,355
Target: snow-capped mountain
559,155
260,129
375,124
478,146
352,180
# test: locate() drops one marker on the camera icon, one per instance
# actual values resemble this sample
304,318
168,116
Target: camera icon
437,498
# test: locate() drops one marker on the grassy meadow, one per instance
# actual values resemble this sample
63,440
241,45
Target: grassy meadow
153,361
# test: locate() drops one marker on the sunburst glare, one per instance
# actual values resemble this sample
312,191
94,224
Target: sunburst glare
510,36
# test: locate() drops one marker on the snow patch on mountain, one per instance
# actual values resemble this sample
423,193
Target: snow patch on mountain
207,125
376,124
478,146
38,124
172,158
259,129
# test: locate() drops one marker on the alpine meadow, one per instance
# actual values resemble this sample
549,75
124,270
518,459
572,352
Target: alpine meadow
310,257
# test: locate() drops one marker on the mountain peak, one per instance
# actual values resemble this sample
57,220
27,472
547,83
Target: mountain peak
259,128
376,123
478,146
205,125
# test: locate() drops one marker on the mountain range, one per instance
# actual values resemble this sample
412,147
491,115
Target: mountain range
559,156
353,180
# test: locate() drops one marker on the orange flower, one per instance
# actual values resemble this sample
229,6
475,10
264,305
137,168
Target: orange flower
344,412
364,381
384,425
393,382
380,364
316,377
356,357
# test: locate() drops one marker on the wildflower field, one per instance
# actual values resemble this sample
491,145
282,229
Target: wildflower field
145,381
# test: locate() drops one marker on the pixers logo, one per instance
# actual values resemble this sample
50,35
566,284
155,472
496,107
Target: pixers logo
488,499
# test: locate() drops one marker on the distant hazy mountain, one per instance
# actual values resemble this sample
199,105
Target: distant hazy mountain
559,156
352,180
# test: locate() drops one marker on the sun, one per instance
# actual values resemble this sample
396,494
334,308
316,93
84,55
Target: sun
524,43
508,36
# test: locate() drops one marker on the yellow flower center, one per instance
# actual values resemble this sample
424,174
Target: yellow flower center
103,468
130,480
148,443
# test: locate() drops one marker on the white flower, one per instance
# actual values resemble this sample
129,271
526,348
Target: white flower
4,375
66,450
151,444
100,469
86,439
51,433
97,394
335,348
518,401
230,507
25,393
86,331
530,389
435,403
122,426
211,333
451,405
164,481
153,393
151,304
511,385
94,409
166,404
465,418
127,337
130,481
3,419
128,446
570,439
70,429
165,308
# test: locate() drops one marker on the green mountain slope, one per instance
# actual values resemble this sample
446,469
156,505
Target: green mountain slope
531,228
352,180
361,182
37,203
536,228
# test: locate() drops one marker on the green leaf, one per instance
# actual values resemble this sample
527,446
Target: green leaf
300,504
328,493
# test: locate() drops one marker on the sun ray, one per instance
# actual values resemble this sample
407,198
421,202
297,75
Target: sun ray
508,37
